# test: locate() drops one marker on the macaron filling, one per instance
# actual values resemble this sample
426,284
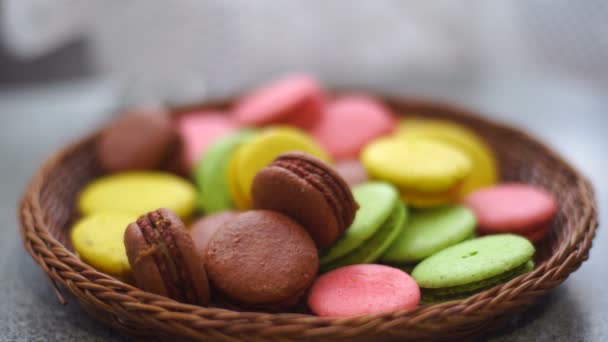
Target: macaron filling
372,248
167,256
428,198
533,233
463,291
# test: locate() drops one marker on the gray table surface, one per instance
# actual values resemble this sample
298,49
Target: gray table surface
569,116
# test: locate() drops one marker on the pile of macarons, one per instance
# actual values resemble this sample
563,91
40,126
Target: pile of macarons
295,199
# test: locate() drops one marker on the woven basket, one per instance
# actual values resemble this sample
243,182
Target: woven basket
48,210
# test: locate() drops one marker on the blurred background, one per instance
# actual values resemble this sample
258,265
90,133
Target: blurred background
182,50
67,65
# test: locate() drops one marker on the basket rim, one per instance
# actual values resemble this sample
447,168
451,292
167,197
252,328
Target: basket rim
94,288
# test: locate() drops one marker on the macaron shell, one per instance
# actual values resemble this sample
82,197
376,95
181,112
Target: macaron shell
421,165
261,151
98,240
137,140
352,171
511,208
362,290
198,130
211,173
377,201
307,115
145,271
473,260
296,99
203,229
351,121
262,258
484,171
238,195
374,247
308,206
138,192
430,231
430,296
193,265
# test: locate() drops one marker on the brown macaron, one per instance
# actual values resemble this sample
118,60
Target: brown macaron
164,260
138,140
309,191
262,259
203,229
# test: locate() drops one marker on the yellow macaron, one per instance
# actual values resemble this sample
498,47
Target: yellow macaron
260,151
98,240
138,193
484,170
426,172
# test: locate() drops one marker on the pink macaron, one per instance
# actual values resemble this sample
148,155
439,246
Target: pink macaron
352,171
361,290
295,100
198,130
513,208
350,122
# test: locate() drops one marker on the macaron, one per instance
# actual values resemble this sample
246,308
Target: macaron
484,171
198,130
364,289
427,172
352,171
97,239
513,208
260,151
211,172
140,139
379,220
429,231
164,260
262,259
295,100
138,192
308,190
203,229
349,122
473,266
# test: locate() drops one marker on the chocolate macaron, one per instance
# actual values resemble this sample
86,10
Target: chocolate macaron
261,259
203,229
164,260
309,191
138,140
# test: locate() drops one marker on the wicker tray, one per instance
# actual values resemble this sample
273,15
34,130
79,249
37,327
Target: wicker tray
48,210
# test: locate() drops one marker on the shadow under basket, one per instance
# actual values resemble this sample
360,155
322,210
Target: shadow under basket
48,210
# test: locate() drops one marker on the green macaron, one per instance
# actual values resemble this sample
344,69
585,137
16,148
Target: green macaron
429,231
473,266
210,172
379,220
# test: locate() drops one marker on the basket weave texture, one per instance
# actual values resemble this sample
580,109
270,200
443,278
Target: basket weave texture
48,209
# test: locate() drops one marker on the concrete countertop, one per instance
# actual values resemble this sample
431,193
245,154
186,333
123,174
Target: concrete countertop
570,117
